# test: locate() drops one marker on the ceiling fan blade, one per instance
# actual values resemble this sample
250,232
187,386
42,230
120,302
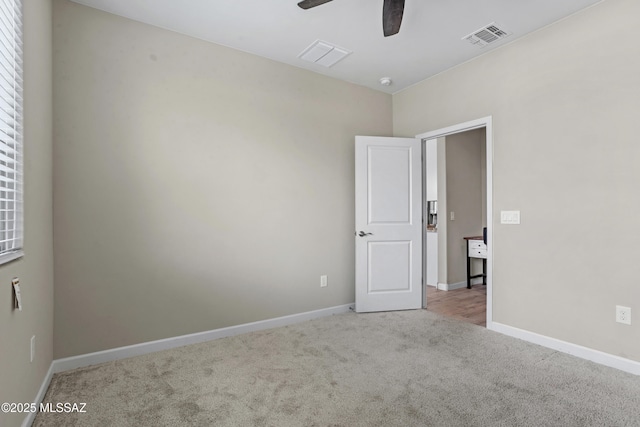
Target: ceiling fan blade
392,11
308,4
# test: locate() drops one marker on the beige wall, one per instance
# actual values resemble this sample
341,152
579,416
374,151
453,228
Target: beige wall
464,198
196,187
20,379
565,104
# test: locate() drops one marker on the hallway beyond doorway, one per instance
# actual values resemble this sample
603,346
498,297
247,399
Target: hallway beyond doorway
468,305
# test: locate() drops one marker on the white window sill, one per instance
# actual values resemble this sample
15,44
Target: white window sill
11,256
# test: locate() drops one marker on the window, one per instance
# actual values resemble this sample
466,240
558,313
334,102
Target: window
11,174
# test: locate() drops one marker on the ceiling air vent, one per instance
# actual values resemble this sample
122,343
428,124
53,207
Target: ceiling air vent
487,35
323,53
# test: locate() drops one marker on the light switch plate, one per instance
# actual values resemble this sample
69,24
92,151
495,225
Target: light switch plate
509,217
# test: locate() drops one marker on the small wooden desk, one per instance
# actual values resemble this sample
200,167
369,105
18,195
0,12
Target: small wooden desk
476,248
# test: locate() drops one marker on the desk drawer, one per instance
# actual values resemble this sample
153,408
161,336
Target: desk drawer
477,253
477,244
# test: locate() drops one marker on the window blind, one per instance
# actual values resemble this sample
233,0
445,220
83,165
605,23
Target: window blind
11,165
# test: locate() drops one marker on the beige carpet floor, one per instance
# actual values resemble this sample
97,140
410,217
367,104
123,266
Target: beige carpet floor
412,368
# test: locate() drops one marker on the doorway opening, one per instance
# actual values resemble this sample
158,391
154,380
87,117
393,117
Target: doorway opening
457,212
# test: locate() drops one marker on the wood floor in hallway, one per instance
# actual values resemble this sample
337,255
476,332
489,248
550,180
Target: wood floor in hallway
469,305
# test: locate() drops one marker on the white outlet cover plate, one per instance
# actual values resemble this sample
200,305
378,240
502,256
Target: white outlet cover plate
509,217
623,314
323,281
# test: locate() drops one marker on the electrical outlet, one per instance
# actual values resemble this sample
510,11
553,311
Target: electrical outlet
623,314
33,348
453,216
323,281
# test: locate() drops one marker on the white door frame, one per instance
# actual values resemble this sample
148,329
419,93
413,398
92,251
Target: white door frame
485,122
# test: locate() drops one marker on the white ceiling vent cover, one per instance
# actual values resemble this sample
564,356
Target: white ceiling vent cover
323,53
487,35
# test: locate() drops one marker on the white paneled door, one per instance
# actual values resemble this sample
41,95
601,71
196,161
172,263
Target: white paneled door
388,224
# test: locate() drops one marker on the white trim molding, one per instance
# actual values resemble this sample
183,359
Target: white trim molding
451,287
487,123
68,363
600,357
31,416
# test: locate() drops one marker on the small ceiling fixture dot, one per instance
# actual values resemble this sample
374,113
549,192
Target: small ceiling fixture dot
385,81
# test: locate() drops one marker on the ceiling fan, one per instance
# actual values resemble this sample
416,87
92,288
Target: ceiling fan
391,13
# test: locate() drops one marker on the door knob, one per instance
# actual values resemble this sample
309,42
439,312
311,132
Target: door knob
362,234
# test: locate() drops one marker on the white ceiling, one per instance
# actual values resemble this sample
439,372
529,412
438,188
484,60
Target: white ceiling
429,40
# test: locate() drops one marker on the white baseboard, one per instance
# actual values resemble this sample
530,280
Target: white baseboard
476,281
31,416
68,363
602,358
450,287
